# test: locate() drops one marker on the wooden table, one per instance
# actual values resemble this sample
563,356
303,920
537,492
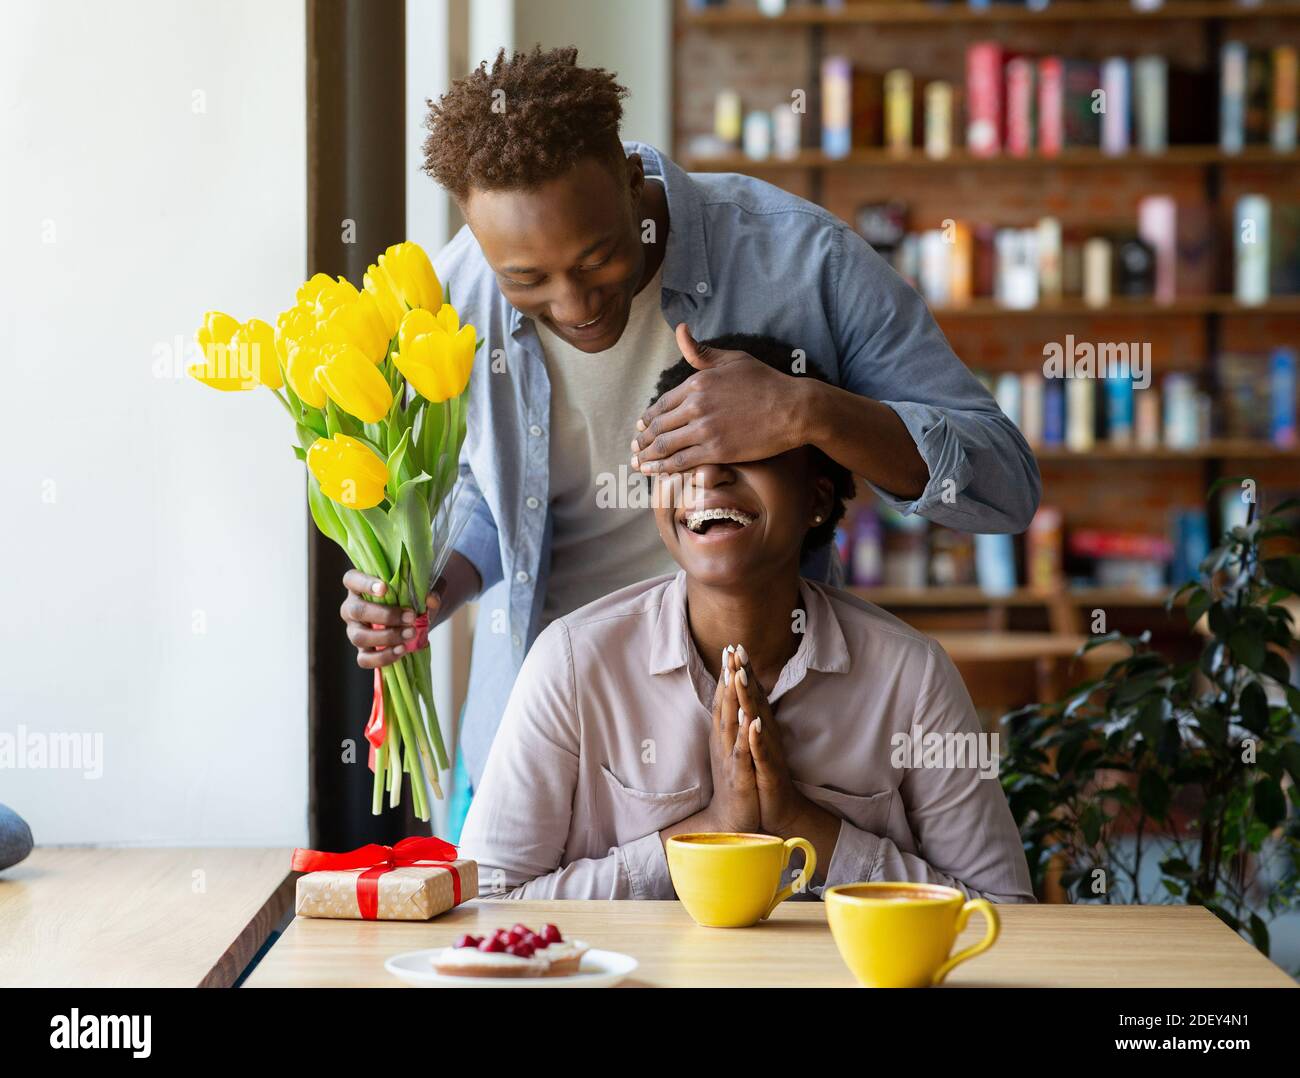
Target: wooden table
82,917
1041,946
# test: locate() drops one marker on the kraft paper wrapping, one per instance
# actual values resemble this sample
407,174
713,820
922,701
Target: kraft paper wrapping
413,893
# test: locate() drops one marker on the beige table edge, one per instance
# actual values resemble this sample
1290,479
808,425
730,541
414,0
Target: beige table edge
86,916
1041,946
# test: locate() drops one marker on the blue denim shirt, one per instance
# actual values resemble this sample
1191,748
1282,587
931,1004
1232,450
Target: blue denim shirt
741,256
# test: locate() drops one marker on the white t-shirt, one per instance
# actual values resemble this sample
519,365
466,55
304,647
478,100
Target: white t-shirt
600,542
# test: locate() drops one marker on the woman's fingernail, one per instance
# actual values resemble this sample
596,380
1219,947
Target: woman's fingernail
398,650
640,424
742,716
408,617
636,463
744,678
742,654
407,634
758,726
726,676
378,588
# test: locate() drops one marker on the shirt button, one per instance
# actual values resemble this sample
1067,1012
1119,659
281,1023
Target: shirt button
702,287
535,431
516,641
522,577
531,502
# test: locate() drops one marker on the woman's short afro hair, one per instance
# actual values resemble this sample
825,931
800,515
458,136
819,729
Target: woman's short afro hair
530,118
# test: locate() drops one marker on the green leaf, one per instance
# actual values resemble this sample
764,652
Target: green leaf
1259,933
1176,866
306,436
1284,572
314,420
299,452
389,537
1270,805
1290,753
396,458
411,516
1254,708
1153,794
1247,647
1276,667
324,513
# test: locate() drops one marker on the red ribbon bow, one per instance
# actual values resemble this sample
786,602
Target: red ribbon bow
377,859
376,730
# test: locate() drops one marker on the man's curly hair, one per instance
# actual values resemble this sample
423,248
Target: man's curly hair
549,114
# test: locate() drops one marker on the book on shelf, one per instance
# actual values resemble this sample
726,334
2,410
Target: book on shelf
995,564
1282,383
1190,541
1282,121
898,111
984,115
1082,80
1045,549
1020,72
1117,104
938,118
1123,560
1251,264
1051,106
1151,103
852,100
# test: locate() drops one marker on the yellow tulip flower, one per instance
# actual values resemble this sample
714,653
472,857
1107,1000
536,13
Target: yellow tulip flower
357,320
235,357
389,301
412,276
435,352
298,343
353,383
257,339
323,293
349,471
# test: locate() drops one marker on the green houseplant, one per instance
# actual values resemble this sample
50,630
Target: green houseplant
1168,782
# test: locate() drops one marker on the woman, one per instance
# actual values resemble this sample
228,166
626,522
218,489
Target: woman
648,713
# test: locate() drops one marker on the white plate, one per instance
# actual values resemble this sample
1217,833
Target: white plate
599,969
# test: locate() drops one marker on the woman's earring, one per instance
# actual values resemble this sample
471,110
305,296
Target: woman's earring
817,519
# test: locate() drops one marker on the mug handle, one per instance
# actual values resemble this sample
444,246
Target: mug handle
805,874
992,927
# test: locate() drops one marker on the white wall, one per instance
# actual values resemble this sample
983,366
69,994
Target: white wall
154,539
632,38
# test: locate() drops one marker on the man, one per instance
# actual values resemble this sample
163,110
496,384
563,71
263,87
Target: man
588,266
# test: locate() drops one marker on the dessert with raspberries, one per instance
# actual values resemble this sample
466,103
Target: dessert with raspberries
512,952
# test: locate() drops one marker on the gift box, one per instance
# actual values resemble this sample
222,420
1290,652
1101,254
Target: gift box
415,880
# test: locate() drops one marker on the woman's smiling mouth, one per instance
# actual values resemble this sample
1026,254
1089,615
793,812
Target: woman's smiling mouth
716,523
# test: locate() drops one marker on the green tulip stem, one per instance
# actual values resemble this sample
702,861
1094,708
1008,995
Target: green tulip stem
421,735
392,675
281,398
377,797
395,775
424,685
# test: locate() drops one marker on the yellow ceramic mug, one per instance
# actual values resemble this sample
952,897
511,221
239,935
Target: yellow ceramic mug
900,935
730,880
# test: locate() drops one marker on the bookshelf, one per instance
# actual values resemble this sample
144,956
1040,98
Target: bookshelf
762,57
866,13
1071,158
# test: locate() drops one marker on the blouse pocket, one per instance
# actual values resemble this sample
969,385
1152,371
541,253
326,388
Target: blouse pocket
866,812
642,812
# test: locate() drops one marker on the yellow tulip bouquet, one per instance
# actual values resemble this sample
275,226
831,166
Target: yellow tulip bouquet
375,381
